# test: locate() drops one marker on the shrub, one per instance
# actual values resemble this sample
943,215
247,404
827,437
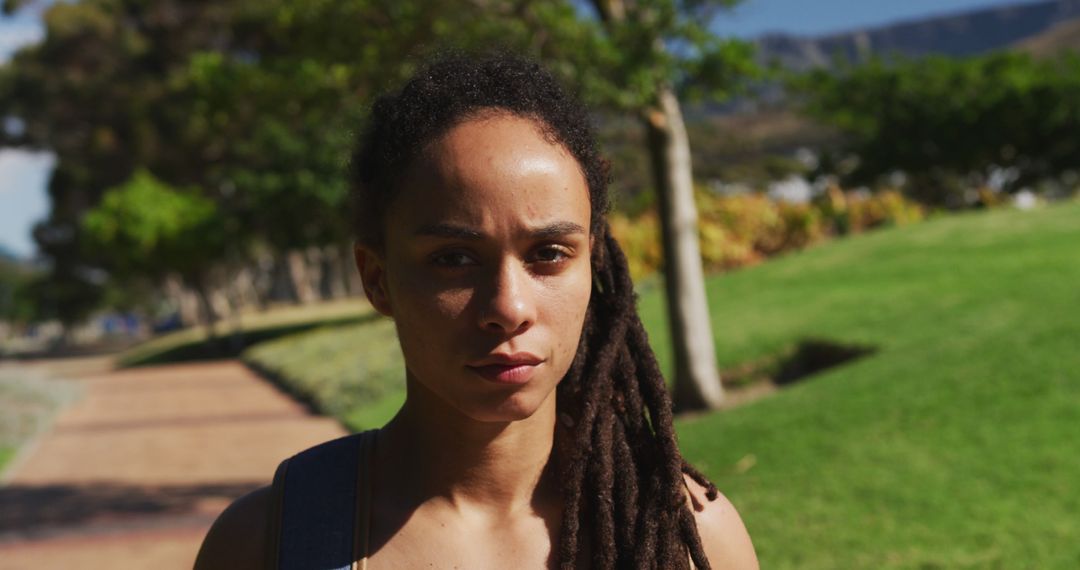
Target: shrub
335,369
736,231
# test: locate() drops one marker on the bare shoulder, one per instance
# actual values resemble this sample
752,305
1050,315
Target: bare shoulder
723,534
237,540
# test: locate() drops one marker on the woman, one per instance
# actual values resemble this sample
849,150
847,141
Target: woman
537,430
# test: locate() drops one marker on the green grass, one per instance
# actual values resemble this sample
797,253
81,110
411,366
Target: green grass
234,336
354,373
956,444
29,399
6,455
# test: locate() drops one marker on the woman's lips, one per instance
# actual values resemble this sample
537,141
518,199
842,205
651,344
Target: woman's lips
506,373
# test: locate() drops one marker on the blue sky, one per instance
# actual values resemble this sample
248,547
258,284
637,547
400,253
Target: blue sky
23,176
817,17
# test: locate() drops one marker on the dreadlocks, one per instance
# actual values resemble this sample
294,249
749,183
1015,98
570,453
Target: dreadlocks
622,474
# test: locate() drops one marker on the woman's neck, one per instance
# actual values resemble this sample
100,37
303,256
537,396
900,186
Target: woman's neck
433,451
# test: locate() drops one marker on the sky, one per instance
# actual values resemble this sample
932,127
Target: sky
752,18
23,175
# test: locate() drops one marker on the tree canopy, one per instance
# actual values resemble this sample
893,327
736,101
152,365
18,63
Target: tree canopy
250,106
939,119
145,228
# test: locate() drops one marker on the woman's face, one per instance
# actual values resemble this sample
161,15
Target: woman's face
486,267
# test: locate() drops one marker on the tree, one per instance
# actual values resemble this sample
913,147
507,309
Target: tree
253,102
95,93
16,303
145,229
638,57
951,124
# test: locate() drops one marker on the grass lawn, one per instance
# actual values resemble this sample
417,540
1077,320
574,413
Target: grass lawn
29,400
352,372
956,444
6,454
193,343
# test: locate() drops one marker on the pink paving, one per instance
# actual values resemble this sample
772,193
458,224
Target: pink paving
133,474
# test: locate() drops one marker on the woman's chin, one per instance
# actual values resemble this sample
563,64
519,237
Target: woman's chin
510,408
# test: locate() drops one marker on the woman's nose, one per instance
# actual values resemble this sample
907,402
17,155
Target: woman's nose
509,308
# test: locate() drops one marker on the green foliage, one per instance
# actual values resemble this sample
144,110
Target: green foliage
96,92
16,302
280,136
946,121
622,54
148,228
69,293
256,103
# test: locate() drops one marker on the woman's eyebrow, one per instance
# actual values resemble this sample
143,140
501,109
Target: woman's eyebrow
456,231
448,230
556,229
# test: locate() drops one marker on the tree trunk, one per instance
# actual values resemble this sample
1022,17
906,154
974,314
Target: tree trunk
300,276
244,289
187,305
697,381
333,275
262,268
316,273
219,298
210,315
282,286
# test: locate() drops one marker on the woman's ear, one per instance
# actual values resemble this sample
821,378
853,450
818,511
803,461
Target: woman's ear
373,274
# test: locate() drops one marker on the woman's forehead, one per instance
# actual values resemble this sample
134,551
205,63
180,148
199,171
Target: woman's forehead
494,144
494,170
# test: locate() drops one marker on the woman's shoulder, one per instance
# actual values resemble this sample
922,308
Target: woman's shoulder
723,535
238,538
241,535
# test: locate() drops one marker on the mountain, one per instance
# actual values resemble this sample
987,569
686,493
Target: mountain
1061,37
966,33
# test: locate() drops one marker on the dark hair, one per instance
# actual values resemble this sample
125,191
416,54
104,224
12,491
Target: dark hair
622,479
451,91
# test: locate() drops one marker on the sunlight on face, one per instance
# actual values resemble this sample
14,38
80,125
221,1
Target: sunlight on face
488,259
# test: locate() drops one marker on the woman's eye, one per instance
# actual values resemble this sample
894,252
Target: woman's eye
452,259
550,254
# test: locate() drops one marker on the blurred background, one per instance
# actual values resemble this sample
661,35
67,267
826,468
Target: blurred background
883,212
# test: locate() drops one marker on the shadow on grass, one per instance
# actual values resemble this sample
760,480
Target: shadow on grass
230,344
303,397
804,361
813,356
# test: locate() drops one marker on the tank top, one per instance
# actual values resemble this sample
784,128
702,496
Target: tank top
321,508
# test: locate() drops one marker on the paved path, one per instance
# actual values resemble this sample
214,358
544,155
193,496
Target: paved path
132,475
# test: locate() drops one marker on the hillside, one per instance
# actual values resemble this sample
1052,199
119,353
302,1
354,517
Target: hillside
1064,36
967,33
952,445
